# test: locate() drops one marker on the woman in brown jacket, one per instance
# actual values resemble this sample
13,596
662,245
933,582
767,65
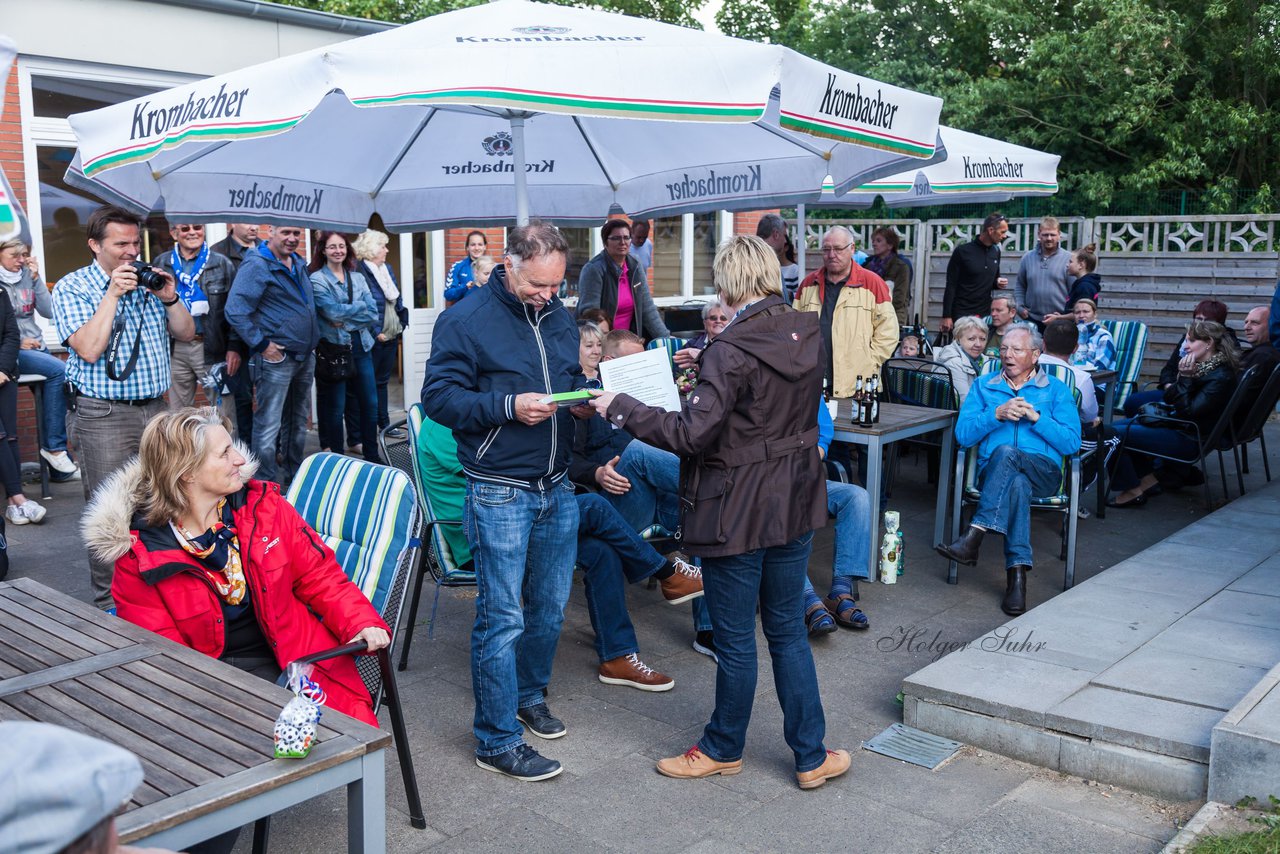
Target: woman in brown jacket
752,493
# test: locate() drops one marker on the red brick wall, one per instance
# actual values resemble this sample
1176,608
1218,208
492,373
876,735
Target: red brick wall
745,222
455,244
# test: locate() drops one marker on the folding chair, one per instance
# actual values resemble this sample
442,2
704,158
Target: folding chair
1219,438
918,382
1130,337
1065,500
1251,424
369,516
437,558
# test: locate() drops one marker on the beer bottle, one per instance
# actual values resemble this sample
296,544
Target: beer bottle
874,394
857,401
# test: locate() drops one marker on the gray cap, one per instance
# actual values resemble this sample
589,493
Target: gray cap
56,784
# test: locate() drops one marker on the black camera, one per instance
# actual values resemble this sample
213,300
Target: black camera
147,277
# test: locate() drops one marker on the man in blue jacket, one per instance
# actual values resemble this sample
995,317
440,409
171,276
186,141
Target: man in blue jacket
273,310
1023,422
494,357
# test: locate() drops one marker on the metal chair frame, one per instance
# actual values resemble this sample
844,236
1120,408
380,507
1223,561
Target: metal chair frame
1253,425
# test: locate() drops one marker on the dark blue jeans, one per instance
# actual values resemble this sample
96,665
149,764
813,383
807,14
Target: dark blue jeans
332,402
1131,468
1009,480
522,543
612,555
773,578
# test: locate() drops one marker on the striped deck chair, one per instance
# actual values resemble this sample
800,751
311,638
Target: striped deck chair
368,514
1131,345
671,345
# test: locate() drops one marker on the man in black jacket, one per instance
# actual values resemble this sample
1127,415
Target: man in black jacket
495,357
974,272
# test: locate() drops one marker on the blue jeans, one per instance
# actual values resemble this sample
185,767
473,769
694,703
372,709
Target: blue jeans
1009,480
733,586
851,507
274,383
384,365
332,400
55,403
612,556
524,568
1131,468
654,496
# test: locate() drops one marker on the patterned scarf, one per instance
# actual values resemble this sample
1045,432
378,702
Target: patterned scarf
189,280
1210,364
218,551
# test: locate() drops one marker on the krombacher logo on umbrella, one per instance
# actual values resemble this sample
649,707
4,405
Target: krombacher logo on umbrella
854,107
716,185
224,105
992,168
251,198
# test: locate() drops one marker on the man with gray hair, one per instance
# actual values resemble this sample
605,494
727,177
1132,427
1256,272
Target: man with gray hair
1023,422
495,359
1004,316
772,229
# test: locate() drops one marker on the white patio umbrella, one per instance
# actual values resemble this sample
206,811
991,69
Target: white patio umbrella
434,123
13,222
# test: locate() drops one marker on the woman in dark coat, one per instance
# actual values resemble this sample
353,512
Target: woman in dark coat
1204,385
752,493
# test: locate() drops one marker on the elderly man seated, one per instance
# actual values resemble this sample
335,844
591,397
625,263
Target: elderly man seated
1023,422
1260,353
1004,316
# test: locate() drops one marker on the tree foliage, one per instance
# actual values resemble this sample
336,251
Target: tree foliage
1133,94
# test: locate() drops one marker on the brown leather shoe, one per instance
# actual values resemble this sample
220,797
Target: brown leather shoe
964,550
630,670
683,584
693,763
838,762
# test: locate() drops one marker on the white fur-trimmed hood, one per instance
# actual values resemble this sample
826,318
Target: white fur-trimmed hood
108,517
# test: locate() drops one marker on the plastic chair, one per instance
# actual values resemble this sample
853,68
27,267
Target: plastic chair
1130,337
368,514
1219,438
1252,423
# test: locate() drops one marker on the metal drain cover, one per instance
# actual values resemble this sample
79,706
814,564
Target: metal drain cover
909,744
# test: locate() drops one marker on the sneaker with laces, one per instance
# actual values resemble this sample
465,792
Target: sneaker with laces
59,461
682,585
539,721
25,513
522,763
694,764
704,642
631,671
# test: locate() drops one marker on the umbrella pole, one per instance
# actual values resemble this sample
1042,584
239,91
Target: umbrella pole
800,241
522,177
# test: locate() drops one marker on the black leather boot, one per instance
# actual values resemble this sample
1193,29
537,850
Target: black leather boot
1015,594
965,549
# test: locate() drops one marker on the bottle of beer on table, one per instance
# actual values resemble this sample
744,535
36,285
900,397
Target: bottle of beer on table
856,401
874,395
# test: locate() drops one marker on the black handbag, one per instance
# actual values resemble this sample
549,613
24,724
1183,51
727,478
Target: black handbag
336,363
1152,414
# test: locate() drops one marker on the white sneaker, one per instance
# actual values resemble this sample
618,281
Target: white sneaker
59,461
22,514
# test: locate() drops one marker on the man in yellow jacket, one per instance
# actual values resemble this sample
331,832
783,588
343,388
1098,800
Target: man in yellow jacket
855,308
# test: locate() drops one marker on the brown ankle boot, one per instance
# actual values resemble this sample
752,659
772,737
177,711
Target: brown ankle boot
1015,594
965,549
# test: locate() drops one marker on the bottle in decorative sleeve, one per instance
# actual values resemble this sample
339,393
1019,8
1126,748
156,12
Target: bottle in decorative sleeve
890,560
874,396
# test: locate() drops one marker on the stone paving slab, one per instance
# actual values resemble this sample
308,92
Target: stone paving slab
1245,761
1134,667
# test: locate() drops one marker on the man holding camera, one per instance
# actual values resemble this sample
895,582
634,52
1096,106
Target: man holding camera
116,317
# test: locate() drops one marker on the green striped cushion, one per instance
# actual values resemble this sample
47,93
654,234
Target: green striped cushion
971,491
1130,337
366,513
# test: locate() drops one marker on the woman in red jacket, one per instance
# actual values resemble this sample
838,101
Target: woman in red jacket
223,564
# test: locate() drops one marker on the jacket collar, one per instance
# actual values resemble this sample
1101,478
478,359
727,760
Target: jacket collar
159,539
1040,379
498,284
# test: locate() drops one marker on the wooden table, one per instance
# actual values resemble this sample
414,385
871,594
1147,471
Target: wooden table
899,421
1108,412
201,728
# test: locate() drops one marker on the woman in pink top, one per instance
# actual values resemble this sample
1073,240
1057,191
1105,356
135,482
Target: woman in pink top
614,281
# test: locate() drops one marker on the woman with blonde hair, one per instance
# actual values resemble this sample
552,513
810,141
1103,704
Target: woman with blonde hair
392,320
221,563
753,492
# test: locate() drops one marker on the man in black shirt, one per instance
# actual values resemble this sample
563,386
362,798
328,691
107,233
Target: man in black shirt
241,237
974,272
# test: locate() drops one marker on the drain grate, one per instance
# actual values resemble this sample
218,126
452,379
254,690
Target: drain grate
909,744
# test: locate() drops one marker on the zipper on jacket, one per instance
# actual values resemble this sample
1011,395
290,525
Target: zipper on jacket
488,442
546,379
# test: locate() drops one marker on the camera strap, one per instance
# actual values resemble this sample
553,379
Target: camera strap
113,348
